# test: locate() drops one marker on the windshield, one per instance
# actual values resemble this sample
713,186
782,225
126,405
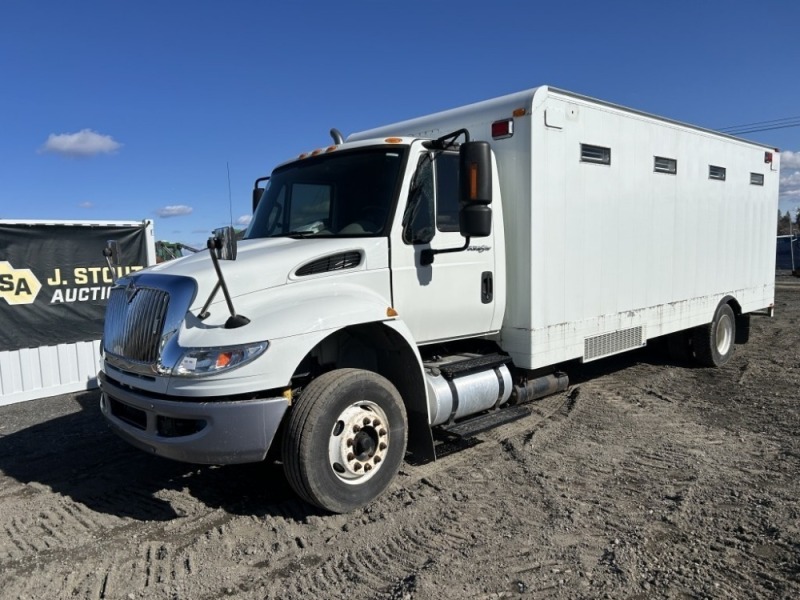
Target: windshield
341,194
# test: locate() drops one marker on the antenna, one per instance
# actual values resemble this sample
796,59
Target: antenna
230,201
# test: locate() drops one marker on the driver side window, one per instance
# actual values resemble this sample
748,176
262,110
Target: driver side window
433,200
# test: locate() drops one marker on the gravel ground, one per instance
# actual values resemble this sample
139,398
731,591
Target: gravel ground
646,479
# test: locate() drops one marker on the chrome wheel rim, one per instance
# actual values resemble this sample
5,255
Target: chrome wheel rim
359,442
724,337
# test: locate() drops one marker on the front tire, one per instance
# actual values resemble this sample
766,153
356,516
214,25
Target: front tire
345,439
713,343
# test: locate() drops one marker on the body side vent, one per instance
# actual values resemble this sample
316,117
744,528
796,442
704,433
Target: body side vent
612,343
334,262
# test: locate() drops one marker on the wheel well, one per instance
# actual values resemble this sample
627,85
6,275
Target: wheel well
378,348
734,304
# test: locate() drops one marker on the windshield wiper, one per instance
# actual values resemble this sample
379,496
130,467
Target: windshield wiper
295,234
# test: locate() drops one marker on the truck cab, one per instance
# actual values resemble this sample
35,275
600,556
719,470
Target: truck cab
361,261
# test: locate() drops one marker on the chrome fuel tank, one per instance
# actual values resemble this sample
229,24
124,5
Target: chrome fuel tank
463,385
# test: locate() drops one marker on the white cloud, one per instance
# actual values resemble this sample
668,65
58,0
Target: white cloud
81,144
86,205
790,160
244,220
177,210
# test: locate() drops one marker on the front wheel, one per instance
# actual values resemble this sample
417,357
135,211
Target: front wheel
345,439
713,343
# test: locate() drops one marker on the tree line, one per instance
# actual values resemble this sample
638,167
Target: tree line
787,224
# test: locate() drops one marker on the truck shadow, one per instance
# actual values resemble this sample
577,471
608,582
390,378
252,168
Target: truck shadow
655,353
77,456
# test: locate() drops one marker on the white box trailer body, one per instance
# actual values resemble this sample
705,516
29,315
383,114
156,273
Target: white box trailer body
404,281
603,254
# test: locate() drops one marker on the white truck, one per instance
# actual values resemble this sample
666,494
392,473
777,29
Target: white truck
434,273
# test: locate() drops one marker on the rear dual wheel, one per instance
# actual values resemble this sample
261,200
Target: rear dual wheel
345,439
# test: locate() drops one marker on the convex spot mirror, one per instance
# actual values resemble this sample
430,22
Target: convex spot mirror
224,243
111,252
475,189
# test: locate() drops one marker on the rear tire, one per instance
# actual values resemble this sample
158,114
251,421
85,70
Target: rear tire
345,439
713,343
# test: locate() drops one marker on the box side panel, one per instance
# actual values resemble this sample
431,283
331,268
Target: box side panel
640,241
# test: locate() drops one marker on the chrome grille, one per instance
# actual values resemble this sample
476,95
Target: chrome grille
134,323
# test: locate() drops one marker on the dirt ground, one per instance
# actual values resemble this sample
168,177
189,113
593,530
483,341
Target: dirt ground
646,479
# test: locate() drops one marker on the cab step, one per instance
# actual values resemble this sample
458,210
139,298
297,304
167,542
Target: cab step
476,425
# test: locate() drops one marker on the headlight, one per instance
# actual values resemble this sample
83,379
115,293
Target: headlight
209,361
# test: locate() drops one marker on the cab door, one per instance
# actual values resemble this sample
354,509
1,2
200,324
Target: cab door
453,297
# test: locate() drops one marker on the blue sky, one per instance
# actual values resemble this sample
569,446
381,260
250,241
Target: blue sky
136,110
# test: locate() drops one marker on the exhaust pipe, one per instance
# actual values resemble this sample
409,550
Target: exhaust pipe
540,387
337,136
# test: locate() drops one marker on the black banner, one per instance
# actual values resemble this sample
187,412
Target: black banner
54,280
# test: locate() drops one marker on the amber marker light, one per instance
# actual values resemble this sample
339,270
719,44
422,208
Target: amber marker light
473,181
223,359
390,312
519,112
393,140
330,148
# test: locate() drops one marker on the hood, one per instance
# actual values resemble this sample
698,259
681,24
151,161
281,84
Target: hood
267,263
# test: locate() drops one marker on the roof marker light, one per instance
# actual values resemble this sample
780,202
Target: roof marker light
519,112
768,157
393,140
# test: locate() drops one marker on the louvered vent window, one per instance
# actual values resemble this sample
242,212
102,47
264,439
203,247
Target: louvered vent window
756,179
665,165
595,154
334,262
717,173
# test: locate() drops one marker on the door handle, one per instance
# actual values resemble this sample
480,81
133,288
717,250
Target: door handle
487,287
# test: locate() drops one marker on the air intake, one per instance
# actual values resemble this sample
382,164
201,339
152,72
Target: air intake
334,262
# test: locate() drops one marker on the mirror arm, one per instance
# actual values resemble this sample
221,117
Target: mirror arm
203,314
426,256
111,253
234,320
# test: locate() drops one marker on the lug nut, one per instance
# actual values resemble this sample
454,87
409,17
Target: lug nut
366,421
367,467
357,466
356,428
349,442
382,446
351,456
377,460
376,423
382,432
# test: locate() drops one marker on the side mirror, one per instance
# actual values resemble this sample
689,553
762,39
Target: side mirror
111,252
475,189
258,191
224,243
